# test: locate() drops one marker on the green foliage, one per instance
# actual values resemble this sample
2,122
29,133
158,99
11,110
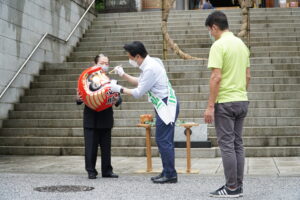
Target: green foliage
99,5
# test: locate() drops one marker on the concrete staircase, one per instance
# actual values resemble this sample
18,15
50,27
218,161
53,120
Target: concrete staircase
48,122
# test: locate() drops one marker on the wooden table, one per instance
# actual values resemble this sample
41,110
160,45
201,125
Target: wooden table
187,127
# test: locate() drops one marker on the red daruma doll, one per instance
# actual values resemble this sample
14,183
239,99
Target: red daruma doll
94,89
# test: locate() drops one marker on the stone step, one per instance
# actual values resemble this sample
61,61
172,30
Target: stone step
132,113
65,150
176,64
183,81
182,43
205,73
68,123
261,131
203,14
181,39
158,53
253,33
205,88
173,15
157,14
120,52
181,96
257,51
283,151
158,47
143,104
126,28
193,29
114,56
157,26
183,20
141,151
266,141
156,17
54,121
200,27
140,132
258,63
199,30
194,19
174,56
199,18
140,141
70,141
189,66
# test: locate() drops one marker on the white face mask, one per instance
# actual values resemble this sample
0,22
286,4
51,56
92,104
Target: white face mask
104,67
212,38
133,63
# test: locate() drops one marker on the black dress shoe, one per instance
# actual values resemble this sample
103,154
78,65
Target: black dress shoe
165,180
112,175
156,177
92,176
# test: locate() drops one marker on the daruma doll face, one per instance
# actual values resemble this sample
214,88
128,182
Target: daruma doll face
94,88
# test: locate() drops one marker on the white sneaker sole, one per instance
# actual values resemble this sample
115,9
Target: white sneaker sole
226,196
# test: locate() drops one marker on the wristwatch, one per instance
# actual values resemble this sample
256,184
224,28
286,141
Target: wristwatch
121,90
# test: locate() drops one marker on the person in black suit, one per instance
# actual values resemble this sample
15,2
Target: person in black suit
97,131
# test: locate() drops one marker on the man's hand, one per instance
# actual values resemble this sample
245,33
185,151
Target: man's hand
119,70
78,97
209,115
114,87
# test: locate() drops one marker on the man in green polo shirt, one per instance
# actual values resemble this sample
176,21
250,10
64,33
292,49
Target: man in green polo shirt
228,101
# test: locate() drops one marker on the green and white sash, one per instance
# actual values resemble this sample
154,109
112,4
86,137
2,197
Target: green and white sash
167,112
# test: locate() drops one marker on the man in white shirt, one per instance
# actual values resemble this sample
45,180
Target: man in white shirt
153,80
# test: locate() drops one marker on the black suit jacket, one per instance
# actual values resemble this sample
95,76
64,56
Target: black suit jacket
101,119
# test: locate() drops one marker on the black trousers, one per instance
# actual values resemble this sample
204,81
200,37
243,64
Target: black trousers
94,137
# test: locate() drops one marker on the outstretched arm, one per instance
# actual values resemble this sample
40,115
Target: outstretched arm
131,79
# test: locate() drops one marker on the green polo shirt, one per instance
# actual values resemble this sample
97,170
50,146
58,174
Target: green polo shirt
231,55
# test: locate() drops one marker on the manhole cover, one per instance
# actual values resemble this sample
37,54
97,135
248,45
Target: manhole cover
64,188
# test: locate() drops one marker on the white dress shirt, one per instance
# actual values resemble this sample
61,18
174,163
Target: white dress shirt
153,78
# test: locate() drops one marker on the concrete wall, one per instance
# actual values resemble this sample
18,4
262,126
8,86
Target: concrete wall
23,22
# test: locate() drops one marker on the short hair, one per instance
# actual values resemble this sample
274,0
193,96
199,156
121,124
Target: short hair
135,48
98,57
217,18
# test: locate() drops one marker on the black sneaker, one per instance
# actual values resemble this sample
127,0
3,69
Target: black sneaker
241,191
224,192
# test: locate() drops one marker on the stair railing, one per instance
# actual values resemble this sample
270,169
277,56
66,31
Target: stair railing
39,43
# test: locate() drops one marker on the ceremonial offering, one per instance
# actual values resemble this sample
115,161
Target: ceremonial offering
94,89
146,118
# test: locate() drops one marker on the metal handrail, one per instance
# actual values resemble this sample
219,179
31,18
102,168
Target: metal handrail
39,43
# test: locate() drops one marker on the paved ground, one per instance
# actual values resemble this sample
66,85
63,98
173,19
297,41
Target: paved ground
266,179
277,166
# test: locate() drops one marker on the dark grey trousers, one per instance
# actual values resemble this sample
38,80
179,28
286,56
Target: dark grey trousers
229,118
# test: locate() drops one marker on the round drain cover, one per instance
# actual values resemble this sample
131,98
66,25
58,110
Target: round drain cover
64,188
